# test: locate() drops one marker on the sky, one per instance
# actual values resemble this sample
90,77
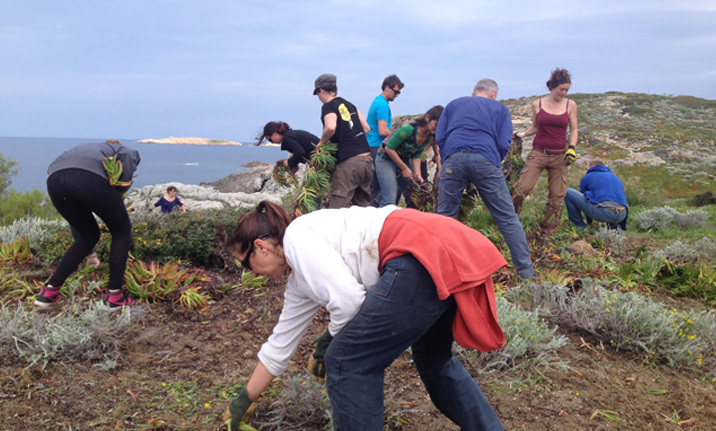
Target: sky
221,69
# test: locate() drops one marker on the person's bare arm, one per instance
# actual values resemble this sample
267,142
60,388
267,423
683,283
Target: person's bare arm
330,122
573,126
533,127
383,129
363,122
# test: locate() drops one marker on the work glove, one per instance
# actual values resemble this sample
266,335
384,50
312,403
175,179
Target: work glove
240,409
571,155
316,364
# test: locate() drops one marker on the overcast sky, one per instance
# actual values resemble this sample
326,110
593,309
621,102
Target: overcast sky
221,69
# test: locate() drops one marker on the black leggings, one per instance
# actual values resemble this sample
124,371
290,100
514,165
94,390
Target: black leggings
77,194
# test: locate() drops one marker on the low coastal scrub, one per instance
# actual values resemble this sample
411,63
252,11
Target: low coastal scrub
85,332
630,321
664,217
195,238
531,345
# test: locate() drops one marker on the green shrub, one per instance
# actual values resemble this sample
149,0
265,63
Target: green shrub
196,237
7,170
16,205
696,280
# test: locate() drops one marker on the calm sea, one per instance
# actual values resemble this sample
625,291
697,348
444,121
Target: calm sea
186,164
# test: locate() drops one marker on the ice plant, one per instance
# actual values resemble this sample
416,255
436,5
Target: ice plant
114,167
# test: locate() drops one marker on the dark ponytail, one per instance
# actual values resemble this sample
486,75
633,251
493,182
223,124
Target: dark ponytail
267,220
270,128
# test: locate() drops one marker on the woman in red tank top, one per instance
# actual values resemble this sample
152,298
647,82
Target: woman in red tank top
551,115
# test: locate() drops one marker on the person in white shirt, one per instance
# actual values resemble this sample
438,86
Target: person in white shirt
365,269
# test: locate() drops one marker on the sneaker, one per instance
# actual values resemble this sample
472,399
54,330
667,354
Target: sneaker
48,297
117,300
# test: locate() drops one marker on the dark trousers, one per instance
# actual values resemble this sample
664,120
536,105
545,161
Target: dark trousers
77,194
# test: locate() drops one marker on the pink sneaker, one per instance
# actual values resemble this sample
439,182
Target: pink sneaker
117,300
48,297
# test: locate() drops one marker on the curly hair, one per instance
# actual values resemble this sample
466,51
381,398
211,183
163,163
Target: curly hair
559,77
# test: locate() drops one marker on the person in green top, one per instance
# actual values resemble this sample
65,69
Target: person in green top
399,157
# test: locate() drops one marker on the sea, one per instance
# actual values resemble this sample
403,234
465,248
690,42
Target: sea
161,163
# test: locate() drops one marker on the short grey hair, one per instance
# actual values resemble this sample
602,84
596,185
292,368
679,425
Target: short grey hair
485,86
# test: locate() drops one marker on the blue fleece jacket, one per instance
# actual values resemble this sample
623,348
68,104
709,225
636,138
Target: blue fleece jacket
601,184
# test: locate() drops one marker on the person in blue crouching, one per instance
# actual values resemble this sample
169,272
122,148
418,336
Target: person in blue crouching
600,198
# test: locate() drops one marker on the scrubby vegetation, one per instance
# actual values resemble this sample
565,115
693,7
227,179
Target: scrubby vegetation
644,296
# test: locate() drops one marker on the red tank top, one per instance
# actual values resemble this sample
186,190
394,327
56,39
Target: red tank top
551,129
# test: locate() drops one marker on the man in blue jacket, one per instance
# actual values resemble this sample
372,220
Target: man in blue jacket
600,197
474,135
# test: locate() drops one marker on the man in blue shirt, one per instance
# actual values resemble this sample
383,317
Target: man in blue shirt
474,135
601,198
379,120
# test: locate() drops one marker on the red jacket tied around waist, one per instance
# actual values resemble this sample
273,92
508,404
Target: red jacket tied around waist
461,262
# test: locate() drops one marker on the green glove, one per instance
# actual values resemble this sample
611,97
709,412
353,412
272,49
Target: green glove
316,362
240,409
571,155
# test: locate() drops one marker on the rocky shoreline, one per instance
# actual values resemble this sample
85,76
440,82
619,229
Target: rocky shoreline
244,190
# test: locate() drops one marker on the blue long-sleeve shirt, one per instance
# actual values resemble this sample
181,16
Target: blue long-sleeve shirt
478,124
600,184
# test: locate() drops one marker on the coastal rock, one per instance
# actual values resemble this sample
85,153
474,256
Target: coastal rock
258,178
244,189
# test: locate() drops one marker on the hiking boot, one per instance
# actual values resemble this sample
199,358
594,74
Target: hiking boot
117,300
48,297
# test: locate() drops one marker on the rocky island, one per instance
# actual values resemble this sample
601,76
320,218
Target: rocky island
189,141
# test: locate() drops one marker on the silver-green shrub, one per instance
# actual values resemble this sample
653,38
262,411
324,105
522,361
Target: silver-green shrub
302,403
80,331
35,229
531,344
656,218
629,321
692,218
611,237
661,218
687,252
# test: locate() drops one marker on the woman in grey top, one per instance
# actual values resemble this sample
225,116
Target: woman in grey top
79,186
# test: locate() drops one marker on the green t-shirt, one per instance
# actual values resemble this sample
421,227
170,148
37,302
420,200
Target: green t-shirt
404,142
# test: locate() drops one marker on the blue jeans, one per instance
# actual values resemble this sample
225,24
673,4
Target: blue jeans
465,167
391,181
403,310
577,203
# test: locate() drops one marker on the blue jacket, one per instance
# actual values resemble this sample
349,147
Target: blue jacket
478,124
601,184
